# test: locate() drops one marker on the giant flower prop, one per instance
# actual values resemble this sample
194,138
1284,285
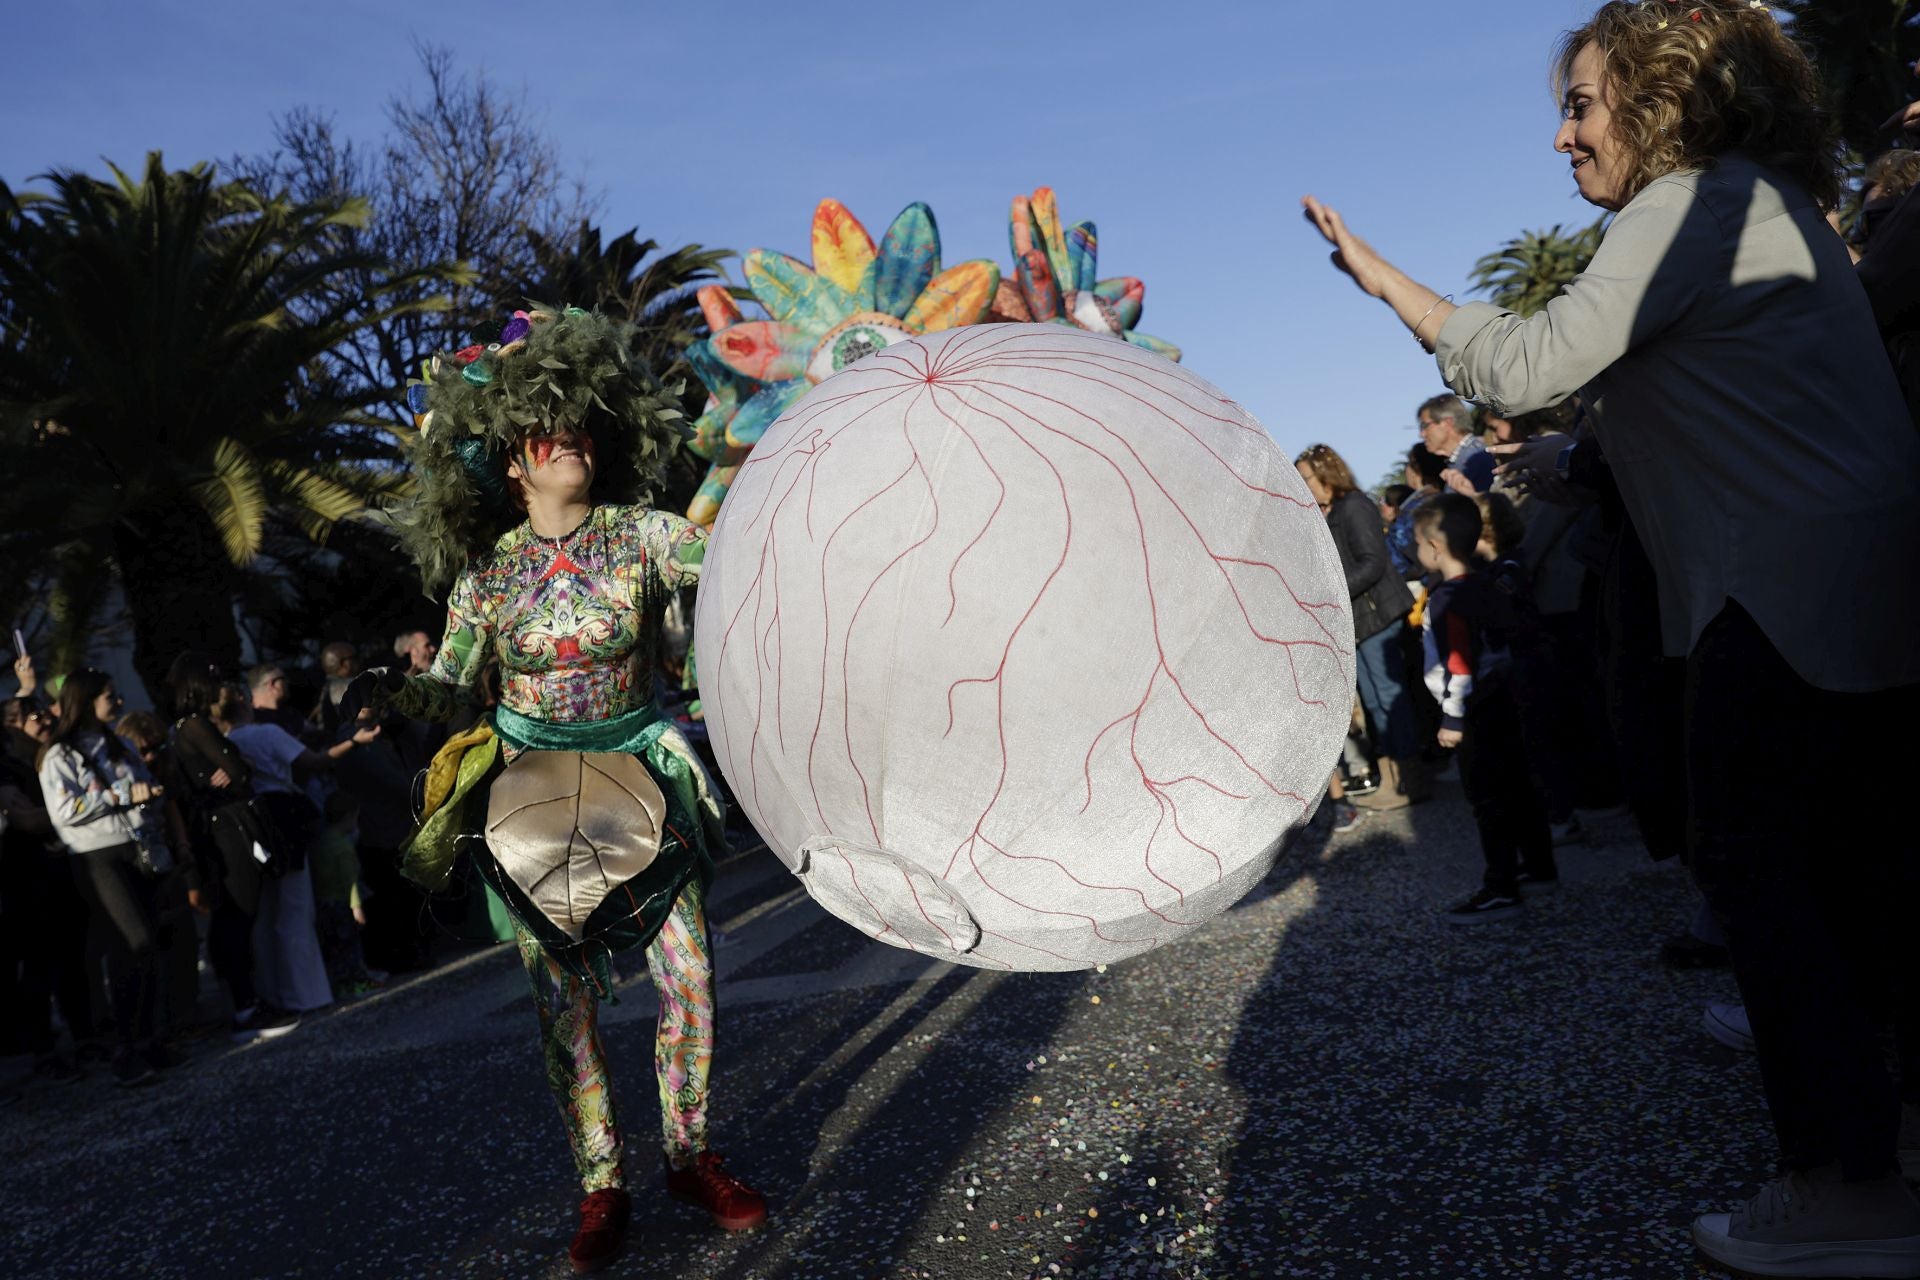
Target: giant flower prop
860,296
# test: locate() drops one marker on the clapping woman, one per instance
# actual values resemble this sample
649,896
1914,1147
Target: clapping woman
1763,451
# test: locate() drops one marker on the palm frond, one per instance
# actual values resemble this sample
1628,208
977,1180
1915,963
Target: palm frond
235,499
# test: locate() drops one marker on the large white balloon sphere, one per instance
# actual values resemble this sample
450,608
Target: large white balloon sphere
1023,647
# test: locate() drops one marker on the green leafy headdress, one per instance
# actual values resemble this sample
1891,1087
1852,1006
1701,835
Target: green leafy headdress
539,371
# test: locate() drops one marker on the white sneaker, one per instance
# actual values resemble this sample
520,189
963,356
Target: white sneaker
1728,1024
1813,1224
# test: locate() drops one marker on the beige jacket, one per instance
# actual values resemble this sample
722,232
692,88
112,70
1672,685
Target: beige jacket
1747,409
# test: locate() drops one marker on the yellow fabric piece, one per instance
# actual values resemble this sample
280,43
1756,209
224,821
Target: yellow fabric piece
444,771
427,858
1418,617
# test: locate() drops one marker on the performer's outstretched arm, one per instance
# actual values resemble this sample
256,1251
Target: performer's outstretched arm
454,679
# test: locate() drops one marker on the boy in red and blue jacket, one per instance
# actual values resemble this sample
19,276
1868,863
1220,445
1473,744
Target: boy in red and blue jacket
1465,633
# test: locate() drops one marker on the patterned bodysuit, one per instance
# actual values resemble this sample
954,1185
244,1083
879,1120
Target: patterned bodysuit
573,622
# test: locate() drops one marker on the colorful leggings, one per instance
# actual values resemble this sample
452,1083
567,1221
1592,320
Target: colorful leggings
680,959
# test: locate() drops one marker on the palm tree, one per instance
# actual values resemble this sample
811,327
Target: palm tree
1865,51
1529,271
632,279
166,397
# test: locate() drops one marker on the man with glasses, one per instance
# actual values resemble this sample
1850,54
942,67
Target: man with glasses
1446,428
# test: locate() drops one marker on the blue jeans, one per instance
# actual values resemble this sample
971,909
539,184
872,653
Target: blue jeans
1383,691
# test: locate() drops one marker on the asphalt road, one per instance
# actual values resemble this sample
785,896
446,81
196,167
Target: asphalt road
1325,1082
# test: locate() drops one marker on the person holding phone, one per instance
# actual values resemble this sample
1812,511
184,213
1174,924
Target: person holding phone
106,808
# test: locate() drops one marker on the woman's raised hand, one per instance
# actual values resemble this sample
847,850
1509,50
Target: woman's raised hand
1350,253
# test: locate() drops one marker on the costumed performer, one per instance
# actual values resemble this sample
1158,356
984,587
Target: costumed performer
580,804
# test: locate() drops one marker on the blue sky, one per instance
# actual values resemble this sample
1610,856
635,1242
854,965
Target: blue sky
1187,130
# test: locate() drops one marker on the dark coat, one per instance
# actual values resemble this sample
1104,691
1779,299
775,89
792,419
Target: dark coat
1890,273
1379,597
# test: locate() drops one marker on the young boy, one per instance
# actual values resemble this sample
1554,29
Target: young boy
338,916
1464,637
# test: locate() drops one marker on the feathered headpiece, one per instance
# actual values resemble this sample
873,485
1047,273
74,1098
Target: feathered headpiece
539,371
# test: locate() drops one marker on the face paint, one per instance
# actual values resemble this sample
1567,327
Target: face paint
540,449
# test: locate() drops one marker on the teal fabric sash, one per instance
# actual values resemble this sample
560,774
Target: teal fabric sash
634,732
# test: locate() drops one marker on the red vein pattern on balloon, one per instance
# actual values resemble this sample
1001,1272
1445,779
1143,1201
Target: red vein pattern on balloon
1163,802
960,367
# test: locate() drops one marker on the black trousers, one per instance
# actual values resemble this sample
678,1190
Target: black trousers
125,920
1815,916
1645,698
1507,806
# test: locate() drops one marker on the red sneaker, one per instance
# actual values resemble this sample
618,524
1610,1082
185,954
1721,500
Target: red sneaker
603,1229
735,1206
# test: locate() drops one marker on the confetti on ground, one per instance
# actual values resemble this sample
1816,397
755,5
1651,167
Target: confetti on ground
1324,1082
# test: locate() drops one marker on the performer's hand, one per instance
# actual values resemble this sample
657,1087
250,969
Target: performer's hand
1350,253
1450,738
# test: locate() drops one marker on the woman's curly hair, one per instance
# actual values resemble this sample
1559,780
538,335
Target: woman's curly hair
1689,80
1329,468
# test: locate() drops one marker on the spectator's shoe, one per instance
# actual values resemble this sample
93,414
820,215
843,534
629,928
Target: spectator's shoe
1568,832
1813,1224
1483,907
1910,1141
131,1068
1363,786
1728,1024
604,1215
1345,817
262,1023
733,1204
1684,951
1532,884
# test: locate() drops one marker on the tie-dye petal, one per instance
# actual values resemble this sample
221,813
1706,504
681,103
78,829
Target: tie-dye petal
709,439
1159,346
718,306
757,414
1127,295
794,294
1037,286
909,260
843,252
1083,254
957,296
1046,219
1008,306
764,350
705,506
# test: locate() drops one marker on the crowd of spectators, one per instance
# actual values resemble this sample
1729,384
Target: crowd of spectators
249,819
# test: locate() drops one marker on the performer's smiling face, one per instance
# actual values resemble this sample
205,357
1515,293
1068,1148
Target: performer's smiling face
557,463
